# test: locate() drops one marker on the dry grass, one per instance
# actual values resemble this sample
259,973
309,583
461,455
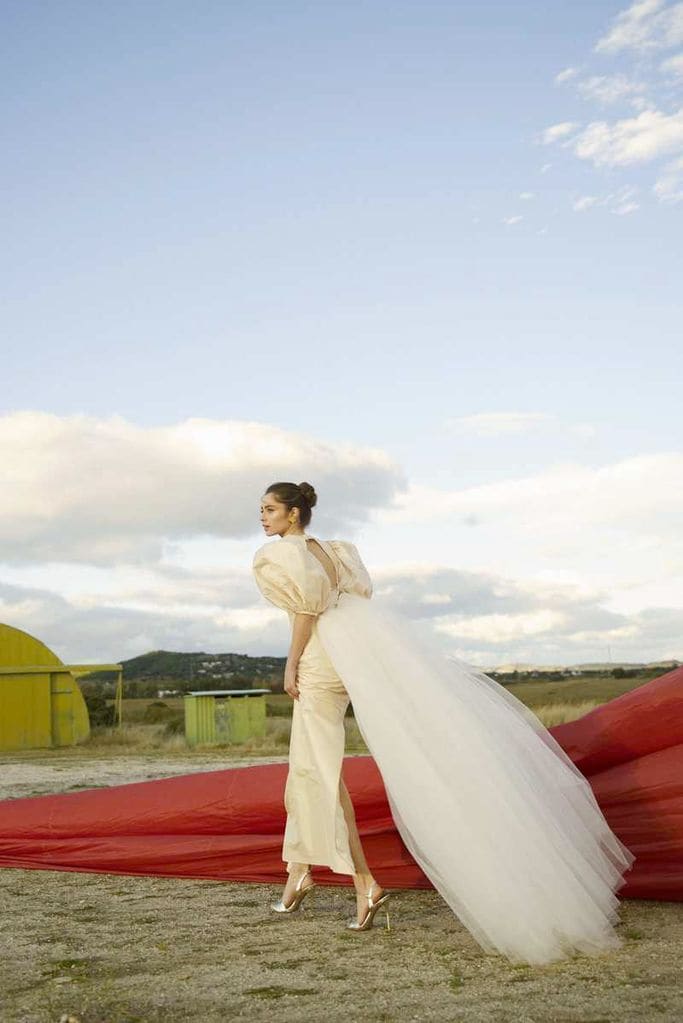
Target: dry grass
557,713
599,688
139,738
136,736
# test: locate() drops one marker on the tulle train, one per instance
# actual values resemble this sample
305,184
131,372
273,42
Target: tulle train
489,805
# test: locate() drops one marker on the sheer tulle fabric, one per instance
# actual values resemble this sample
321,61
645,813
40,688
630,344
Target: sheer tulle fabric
486,801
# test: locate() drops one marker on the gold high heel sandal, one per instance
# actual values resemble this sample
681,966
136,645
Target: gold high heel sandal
366,922
300,894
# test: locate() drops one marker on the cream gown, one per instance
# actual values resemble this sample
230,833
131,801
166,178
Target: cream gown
489,805
293,579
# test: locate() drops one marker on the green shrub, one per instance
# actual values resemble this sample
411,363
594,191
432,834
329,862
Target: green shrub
157,712
99,712
175,723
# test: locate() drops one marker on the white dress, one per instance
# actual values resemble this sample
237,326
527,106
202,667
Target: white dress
503,824
294,580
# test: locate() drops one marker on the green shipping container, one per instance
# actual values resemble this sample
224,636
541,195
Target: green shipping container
225,716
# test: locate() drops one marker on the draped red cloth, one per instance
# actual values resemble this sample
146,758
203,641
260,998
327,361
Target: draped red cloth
228,825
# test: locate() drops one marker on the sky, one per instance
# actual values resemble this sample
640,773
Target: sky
424,255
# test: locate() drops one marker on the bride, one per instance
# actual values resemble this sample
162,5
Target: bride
488,804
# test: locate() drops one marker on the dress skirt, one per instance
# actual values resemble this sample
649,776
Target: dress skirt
316,832
488,804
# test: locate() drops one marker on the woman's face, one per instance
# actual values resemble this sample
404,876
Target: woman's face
276,518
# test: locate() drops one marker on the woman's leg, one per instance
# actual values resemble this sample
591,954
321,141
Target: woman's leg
295,870
359,861
362,879
319,808
315,831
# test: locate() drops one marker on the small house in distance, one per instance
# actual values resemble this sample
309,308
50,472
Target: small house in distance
225,715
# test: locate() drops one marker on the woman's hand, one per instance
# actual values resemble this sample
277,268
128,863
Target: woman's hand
302,628
291,684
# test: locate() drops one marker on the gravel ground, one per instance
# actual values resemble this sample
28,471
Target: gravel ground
120,950
61,772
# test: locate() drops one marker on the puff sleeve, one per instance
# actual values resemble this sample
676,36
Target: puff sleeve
354,576
287,576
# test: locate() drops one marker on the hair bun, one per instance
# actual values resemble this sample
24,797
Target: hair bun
308,493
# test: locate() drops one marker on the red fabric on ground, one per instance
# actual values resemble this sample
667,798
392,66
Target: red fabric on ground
228,825
647,719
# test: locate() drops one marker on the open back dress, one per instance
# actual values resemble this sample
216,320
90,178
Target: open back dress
486,801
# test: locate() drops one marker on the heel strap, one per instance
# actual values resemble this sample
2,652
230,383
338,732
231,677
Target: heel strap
301,880
369,894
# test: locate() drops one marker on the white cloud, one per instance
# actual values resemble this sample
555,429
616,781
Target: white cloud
614,529
526,195
613,525
491,619
511,221
619,202
632,140
669,186
502,629
438,599
585,203
564,76
673,66
642,31
432,591
608,89
110,632
644,26
558,131
545,168
547,568
626,496
496,619
625,208
105,490
493,424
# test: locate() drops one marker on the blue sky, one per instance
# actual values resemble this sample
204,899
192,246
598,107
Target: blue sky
425,254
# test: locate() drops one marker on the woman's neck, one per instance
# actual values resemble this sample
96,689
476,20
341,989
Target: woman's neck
294,531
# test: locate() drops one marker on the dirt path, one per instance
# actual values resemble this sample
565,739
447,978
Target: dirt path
39,776
146,950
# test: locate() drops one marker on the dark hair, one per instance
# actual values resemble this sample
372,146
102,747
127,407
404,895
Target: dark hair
295,495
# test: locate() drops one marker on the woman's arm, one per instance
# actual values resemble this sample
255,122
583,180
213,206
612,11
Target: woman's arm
302,628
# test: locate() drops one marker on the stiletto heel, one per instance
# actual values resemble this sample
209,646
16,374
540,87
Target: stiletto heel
300,894
366,922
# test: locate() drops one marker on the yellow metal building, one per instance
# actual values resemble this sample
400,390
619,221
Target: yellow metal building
41,704
216,716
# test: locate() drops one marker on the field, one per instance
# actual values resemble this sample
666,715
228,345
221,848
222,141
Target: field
139,950
552,702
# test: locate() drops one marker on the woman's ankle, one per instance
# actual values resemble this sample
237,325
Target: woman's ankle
297,870
363,882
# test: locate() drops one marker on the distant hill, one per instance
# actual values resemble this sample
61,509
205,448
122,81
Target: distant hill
595,667
183,666
182,672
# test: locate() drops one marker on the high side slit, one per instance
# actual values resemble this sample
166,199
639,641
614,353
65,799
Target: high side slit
316,831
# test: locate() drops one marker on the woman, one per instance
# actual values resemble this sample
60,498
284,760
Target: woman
321,824
485,800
